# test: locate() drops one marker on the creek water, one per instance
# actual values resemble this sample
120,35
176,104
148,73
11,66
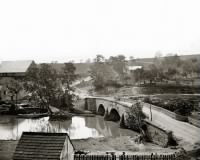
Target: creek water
11,127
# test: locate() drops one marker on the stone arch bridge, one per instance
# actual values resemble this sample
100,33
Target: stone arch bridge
112,109
115,110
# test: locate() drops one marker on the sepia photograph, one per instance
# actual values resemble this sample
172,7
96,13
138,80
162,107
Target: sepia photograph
99,80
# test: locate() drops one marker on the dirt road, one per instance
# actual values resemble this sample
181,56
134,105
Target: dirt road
182,130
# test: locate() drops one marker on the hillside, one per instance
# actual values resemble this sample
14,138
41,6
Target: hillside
182,57
82,69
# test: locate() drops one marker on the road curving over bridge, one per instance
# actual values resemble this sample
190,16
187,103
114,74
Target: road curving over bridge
115,109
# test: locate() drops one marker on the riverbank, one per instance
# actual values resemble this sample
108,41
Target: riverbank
117,144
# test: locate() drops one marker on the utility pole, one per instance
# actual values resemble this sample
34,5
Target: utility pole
150,112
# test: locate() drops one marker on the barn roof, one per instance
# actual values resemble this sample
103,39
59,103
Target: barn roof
15,66
40,146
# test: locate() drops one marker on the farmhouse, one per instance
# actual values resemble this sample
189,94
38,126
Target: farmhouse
44,146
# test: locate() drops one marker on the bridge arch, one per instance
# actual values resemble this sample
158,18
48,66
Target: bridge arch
101,110
114,115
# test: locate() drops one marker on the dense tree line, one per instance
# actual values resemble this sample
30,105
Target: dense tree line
45,85
171,67
114,70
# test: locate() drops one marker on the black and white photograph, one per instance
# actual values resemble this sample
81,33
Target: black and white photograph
99,80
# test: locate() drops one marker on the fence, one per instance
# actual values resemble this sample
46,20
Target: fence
125,157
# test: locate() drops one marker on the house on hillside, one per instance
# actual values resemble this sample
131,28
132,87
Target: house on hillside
133,68
44,146
12,70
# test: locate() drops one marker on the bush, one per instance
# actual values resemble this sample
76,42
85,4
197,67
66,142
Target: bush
183,107
135,117
180,106
147,100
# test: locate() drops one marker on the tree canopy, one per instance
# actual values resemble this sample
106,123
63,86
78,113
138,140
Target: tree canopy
47,86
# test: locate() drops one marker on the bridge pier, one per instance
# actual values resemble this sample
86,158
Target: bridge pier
106,116
122,122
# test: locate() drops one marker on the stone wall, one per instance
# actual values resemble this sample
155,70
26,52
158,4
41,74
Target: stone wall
158,135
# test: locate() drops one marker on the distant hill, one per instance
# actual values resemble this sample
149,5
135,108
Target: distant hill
147,61
82,69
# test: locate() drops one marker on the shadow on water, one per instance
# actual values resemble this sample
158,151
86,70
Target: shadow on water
77,128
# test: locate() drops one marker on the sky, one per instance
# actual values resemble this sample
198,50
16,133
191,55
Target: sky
65,30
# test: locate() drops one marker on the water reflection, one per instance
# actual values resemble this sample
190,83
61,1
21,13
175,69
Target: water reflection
77,128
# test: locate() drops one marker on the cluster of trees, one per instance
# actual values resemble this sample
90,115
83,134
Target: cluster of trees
110,71
46,86
180,106
14,88
171,67
114,70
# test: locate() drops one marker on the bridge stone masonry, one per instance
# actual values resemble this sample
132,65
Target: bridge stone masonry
111,109
115,110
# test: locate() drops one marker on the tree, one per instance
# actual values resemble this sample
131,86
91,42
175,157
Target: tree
158,54
119,65
68,76
88,60
44,85
187,68
97,72
135,117
138,74
14,87
196,67
102,73
99,58
172,71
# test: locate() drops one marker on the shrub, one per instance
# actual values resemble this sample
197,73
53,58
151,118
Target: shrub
183,107
135,117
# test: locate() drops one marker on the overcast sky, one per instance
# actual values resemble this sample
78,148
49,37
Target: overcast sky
63,30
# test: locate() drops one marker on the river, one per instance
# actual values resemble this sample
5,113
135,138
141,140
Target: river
11,127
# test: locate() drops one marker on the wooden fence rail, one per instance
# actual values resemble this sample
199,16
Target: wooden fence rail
125,157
